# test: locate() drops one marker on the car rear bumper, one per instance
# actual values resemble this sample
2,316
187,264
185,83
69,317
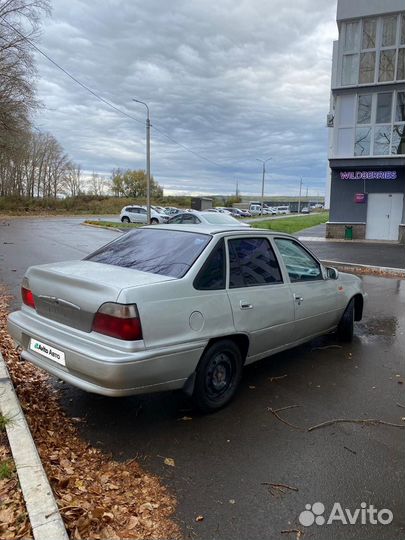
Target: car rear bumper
101,368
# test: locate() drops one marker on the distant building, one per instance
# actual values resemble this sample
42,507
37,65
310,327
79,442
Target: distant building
201,203
367,121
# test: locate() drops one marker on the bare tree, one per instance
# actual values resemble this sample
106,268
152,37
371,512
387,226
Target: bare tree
72,184
97,185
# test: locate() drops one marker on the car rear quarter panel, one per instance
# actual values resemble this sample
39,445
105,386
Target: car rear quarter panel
174,312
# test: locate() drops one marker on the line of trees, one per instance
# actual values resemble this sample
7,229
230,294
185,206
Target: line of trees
31,164
38,167
128,183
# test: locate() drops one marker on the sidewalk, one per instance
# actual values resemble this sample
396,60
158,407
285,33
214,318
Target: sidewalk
352,251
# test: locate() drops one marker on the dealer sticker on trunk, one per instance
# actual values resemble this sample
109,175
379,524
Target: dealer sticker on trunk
47,351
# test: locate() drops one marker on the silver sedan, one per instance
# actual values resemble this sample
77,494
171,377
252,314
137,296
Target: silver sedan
169,307
207,218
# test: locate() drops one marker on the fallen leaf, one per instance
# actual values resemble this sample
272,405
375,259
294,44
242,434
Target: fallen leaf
170,461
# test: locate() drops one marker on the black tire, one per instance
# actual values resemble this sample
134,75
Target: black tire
125,219
218,376
154,221
345,329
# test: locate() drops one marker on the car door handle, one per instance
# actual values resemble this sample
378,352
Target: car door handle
245,305
298,299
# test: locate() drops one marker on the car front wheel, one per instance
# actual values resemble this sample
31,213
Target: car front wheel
345,330
218,376
125,219
154,221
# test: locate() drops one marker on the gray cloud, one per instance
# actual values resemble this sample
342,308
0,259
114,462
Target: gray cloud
232,81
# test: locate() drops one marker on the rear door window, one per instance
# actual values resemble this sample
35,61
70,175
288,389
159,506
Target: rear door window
159,251
190,218
252,263
212,275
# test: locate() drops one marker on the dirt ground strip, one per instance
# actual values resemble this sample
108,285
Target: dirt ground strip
14,522
98,497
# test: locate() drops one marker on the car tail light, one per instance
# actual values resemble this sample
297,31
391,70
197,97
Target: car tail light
120,321
26,294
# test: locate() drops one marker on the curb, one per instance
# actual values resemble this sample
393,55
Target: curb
43,512
366,269
101,227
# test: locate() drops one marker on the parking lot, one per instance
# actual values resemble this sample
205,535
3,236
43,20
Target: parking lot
225,463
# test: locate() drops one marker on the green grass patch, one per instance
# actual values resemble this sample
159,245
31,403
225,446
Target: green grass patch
6,470
293,224
113,224
4,421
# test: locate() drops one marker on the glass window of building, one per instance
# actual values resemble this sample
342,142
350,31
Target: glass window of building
347,105
350,69
384,108
402,41
382,140
400,107
369,34
364,109
352,36
401,65
398,139
367,67
387,65
389,31
362,142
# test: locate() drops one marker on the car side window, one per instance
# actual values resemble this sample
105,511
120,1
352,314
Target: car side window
252,263
175,220
188,218
212,276
301,266
142,210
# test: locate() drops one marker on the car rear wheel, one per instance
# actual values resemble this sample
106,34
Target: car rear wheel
218,376
346,326
125,219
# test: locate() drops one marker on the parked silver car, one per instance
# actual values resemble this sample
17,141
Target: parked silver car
207,218
168,307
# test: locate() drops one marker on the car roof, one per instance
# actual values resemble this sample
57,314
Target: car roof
213,229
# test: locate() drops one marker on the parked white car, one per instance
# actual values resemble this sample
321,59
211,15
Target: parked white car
138,214
179,307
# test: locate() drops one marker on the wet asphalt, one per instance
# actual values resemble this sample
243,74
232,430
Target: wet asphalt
224,462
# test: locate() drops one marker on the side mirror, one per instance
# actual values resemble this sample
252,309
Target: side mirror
332,273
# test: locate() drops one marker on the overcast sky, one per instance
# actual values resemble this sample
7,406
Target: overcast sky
231,80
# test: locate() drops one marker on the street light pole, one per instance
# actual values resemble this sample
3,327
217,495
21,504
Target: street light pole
263,161
147,160
299,200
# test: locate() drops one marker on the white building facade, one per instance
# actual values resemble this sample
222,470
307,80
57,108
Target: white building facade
367,122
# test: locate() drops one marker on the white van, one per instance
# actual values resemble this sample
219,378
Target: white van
283,210
255,209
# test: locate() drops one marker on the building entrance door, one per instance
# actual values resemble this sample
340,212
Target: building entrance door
384,215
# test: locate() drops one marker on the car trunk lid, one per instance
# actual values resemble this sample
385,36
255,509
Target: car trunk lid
71,292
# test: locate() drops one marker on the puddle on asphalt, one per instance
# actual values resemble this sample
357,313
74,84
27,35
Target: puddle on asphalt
378,326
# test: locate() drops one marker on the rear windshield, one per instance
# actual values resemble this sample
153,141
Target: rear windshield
165,252
219,219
